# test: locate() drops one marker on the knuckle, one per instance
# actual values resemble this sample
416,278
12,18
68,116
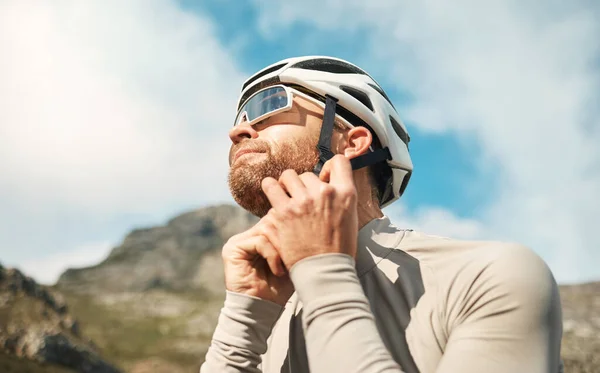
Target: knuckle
327,190
302,204
226,251
349,191
295,209
287,174
350,194
306,176
346,193
268,186
305,200
262,241
287,211
270,219
265,225
230,242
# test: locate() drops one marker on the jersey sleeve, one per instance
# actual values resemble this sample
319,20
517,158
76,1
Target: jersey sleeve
504,316
505,319
340,331
240,337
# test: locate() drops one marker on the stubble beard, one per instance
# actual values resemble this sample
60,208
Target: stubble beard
245,177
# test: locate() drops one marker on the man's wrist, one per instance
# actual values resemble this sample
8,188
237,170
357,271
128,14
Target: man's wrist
323,275
246,322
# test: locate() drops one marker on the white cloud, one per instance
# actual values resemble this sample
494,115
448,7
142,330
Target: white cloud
522,78
112,106
107,108
46,270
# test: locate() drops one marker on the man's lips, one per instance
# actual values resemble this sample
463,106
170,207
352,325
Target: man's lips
244,151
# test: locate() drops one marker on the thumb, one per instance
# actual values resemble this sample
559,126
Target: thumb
337,171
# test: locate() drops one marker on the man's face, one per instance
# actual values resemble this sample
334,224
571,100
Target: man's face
284,141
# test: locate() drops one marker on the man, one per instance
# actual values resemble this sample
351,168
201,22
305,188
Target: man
325,283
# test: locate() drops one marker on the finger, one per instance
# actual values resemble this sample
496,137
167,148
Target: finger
274,261
274,192
260,246
337,171
271,255
311,181
292,183
268,228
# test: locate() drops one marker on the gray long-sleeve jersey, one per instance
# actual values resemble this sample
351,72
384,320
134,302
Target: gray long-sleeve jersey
410,302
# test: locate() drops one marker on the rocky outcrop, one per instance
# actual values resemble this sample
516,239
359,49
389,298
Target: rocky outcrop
35,325
581,327
175,256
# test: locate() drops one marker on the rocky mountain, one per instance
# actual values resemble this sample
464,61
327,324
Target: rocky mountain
152,305
37,333
180,255
581,327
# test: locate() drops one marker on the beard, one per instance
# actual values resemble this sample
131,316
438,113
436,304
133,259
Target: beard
245,176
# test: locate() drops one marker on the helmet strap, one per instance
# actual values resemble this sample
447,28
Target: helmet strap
324,145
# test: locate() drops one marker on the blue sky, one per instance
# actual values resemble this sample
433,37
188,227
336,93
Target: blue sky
117,114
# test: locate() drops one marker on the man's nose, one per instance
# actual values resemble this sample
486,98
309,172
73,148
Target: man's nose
242,131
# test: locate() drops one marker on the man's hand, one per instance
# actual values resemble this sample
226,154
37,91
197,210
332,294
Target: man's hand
317,215
253,266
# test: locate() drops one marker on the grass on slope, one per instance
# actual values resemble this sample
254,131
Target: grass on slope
128,332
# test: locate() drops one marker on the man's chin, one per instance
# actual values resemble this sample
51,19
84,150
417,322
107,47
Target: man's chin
258,206
246,174
245,188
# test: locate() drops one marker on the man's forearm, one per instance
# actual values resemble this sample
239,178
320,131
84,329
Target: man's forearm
341,335
240,337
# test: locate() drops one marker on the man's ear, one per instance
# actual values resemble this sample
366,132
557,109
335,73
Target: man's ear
358,141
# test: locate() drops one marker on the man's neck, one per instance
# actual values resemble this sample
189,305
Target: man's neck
368,206
367,212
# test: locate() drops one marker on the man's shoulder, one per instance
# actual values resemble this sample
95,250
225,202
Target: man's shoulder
488,274
452,259
449,258
431,247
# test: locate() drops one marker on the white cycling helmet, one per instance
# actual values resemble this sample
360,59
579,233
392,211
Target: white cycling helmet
355,97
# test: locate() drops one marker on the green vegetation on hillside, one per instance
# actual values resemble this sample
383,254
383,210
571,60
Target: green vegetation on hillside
149,326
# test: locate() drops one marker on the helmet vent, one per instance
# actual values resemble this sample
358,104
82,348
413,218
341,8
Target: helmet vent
399,131
262,73
359,95
381,92
329,66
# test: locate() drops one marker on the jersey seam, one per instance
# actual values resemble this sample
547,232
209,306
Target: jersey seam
376,264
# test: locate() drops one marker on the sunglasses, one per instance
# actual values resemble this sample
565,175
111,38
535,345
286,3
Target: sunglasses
273,100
